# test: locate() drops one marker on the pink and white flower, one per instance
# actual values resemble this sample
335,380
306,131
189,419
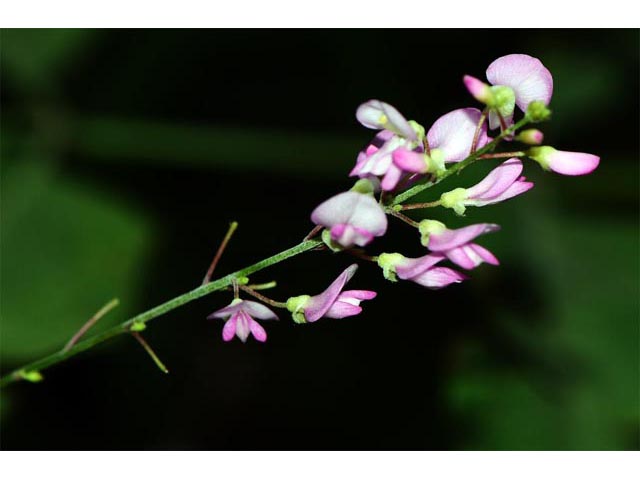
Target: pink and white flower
396,132
353,218
457,244
502,183
526,77
450,139
565,163
422,270
332,303
239,316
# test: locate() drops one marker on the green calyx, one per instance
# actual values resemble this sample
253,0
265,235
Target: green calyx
296,306
541,155
537,111
137,326
502,99
328,241
388,263
455,200
419,129
435,162
364,186
427,227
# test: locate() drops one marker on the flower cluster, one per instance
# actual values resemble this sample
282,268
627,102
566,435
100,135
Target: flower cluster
403,159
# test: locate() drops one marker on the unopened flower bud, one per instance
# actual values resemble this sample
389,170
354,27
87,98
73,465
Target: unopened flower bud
531,136
480,90
537,111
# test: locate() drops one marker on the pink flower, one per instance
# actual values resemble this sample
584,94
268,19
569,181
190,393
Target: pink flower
565,163
376,160
502,183
240,321
353,218
379,115
526,77
457,244
332,303
450,139
420,270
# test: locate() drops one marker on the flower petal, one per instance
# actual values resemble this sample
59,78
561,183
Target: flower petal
449,239
454,131
470,256
342,310
380,115
391,178
258,331
573,163
356,296
439,277
413,267
352,208
348,235
230,309
497,181
229,329
258,310
526,75
409,161
243,326
318,305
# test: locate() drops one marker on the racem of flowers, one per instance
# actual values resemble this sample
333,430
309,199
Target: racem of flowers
402,160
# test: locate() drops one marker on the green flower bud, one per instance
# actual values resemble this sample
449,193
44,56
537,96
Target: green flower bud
137,326
537,111
388,262
455,200
32,376
531,136
296,306
427,227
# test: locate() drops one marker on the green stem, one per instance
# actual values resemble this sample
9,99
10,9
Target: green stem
157,311
457,167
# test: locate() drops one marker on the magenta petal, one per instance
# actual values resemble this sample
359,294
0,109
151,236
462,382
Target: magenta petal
573,163
230,309
484,254
357,295
409,161
439,277
342,310
449,239
412,267
470,256
518,188
257,310
497,181
243,326
318,305
526,75
258,332
453,133
229,329
348,235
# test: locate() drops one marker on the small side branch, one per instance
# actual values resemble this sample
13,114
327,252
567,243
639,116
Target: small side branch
221,248
90,323
150,351
262,298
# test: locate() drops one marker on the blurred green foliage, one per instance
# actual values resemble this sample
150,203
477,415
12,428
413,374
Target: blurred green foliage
68,245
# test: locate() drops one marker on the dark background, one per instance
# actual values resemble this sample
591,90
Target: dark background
126,153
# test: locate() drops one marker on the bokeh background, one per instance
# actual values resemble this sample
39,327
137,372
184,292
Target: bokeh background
126,153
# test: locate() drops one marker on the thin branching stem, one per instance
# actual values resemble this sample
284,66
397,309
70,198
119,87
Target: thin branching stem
219,252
